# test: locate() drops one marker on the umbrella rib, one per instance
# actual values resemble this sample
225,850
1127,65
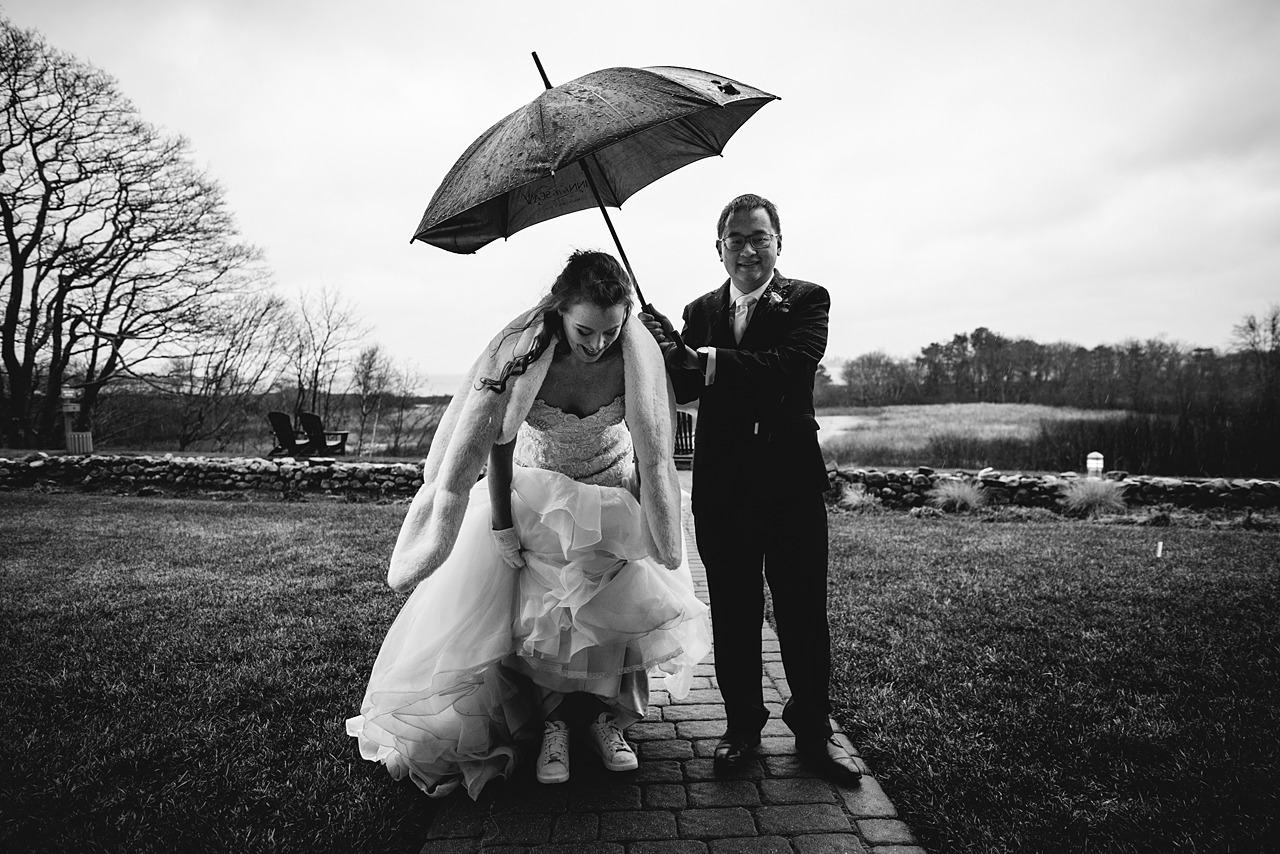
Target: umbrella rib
703,138
709,142
608,105
604,176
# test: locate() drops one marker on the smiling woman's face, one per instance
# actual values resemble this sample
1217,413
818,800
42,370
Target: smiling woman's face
590,329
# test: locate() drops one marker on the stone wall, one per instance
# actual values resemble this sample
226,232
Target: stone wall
905,489
175,475
896,489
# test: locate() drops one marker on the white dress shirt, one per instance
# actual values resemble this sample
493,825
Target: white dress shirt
709,377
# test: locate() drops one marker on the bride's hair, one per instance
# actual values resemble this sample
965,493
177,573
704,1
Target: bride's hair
591,277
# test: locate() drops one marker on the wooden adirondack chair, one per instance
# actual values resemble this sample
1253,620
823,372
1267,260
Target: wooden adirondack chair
320,440
289,441
684,440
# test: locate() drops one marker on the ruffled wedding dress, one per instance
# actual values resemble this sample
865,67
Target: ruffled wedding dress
481,652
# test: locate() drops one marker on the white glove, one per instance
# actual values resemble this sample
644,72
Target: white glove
508,543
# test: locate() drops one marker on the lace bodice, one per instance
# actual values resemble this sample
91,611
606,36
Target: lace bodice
595,450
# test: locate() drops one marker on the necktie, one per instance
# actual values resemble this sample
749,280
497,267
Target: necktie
741,312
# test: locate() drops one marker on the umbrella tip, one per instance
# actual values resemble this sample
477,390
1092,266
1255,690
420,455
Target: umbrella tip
546,81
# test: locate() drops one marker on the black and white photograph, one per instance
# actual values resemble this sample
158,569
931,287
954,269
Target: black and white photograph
414,437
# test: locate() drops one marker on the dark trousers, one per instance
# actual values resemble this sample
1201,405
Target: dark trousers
787,539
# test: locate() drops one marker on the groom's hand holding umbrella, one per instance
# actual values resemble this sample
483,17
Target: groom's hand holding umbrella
676,353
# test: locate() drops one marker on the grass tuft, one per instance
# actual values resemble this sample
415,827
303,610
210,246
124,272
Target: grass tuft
956,496
855,498
1092,498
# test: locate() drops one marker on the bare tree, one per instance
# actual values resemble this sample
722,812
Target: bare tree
1257,339
219,380
370,381
115,245
404,390
324,327
876,379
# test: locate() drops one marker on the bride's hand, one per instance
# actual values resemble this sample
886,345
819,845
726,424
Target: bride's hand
508,543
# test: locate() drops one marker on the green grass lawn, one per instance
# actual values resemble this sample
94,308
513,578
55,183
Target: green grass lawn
1055,687
176,674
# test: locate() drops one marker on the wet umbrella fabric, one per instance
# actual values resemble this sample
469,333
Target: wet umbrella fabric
627,126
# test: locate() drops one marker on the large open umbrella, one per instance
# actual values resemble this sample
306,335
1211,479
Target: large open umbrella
620,129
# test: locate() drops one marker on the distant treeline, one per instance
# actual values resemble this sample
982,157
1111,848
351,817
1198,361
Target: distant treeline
1187,411
985,367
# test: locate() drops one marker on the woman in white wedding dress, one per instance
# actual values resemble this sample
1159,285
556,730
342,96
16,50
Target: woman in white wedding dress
560,582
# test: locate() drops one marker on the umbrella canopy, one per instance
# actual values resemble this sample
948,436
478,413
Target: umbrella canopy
626,126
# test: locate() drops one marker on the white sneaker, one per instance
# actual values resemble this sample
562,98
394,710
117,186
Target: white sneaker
553,761
607,741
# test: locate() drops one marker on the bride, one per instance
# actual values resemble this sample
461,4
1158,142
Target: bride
539,594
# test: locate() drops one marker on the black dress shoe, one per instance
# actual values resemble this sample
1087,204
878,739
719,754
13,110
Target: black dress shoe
733,752
830,759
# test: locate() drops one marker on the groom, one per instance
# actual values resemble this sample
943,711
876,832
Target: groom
748,353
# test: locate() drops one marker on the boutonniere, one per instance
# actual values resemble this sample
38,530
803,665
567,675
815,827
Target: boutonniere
777,298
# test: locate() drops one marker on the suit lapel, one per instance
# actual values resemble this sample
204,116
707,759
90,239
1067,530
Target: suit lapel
722,323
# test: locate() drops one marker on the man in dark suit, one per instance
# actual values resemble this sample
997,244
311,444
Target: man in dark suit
748,353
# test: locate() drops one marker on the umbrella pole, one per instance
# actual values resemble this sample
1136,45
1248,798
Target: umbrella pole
591,182
616,242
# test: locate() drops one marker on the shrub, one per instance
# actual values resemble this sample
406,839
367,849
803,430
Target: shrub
956,496
854,496
1094,497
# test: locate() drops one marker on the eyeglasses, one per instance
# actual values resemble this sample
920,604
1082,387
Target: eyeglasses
758,241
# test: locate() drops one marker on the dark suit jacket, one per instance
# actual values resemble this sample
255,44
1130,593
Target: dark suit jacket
756,434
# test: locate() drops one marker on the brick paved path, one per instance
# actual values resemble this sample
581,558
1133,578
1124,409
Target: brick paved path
674,804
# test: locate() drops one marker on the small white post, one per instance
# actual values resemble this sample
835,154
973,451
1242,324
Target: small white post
1094,466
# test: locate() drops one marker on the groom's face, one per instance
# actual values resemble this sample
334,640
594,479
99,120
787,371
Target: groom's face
749,267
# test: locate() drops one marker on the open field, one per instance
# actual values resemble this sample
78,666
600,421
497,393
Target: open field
1221,442
923,435
907,428
177,673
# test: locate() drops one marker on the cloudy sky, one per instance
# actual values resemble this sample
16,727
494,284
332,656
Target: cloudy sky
1079,170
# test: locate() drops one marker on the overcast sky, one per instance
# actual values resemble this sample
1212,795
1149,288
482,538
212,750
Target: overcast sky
1065,171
